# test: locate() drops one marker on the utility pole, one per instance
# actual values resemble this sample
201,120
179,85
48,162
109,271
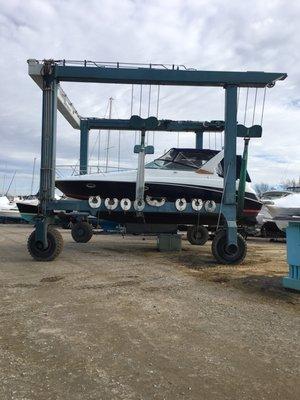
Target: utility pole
108,133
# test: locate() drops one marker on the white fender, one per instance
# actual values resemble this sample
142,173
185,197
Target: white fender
139,205
94,201
111,204
155,202
197,204
210,206
125,204
180,204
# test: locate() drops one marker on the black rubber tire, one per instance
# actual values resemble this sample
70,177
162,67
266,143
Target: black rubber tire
218,248
243,233
55,246
82,232
197,235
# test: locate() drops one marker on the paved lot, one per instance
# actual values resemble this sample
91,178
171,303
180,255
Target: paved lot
115,319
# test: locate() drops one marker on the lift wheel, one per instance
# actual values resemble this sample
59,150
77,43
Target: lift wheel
197,235
82,232
221,253
55,246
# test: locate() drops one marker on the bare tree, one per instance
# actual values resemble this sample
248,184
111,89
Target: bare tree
291,183
261,188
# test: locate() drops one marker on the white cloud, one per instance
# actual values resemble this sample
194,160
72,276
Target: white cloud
216,35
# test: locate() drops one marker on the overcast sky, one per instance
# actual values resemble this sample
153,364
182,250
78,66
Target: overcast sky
210,35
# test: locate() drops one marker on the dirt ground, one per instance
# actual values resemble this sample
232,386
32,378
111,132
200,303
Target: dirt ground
115,319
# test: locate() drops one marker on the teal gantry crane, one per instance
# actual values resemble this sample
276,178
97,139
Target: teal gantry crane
44,243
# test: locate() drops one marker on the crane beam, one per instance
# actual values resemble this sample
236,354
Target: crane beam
151,74
162,125
64,105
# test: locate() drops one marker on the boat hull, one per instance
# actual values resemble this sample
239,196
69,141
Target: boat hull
27,211
284,212
83,189
10,213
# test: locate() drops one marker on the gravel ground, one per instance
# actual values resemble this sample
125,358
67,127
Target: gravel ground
115,319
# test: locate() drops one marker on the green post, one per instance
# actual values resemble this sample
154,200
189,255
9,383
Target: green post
243,177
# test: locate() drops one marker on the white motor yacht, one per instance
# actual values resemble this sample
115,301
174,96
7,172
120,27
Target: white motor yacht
285,209
8,209
180,173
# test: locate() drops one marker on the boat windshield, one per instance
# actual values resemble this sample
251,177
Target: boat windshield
274,195
192,159
180,160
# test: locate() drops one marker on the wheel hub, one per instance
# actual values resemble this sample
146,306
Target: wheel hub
231,249
39,245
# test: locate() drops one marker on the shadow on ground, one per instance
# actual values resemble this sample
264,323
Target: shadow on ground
259,276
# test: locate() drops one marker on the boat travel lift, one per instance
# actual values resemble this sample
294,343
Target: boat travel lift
45,243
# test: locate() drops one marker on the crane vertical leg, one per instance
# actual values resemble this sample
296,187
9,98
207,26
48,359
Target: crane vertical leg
199,140
84,145
229,206
48,152
48,146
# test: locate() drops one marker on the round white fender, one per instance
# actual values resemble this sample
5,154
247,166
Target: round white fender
111,204
210,206
139,205
125,204
155,202
197,204
94,201
180,204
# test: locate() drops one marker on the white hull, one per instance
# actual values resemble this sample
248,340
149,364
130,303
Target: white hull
285,209
282,212
10,213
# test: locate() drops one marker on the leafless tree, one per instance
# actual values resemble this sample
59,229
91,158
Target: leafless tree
261,188
291,183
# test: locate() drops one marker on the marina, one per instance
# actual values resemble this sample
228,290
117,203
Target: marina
149,200
178,245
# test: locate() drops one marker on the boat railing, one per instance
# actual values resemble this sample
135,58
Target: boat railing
74,169
116,64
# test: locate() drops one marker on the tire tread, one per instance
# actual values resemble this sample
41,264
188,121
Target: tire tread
59,243
215,250
87,234
190,235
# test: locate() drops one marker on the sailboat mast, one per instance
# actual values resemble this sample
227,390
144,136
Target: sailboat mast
108,133
4,179
99,137
32,178
12,179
